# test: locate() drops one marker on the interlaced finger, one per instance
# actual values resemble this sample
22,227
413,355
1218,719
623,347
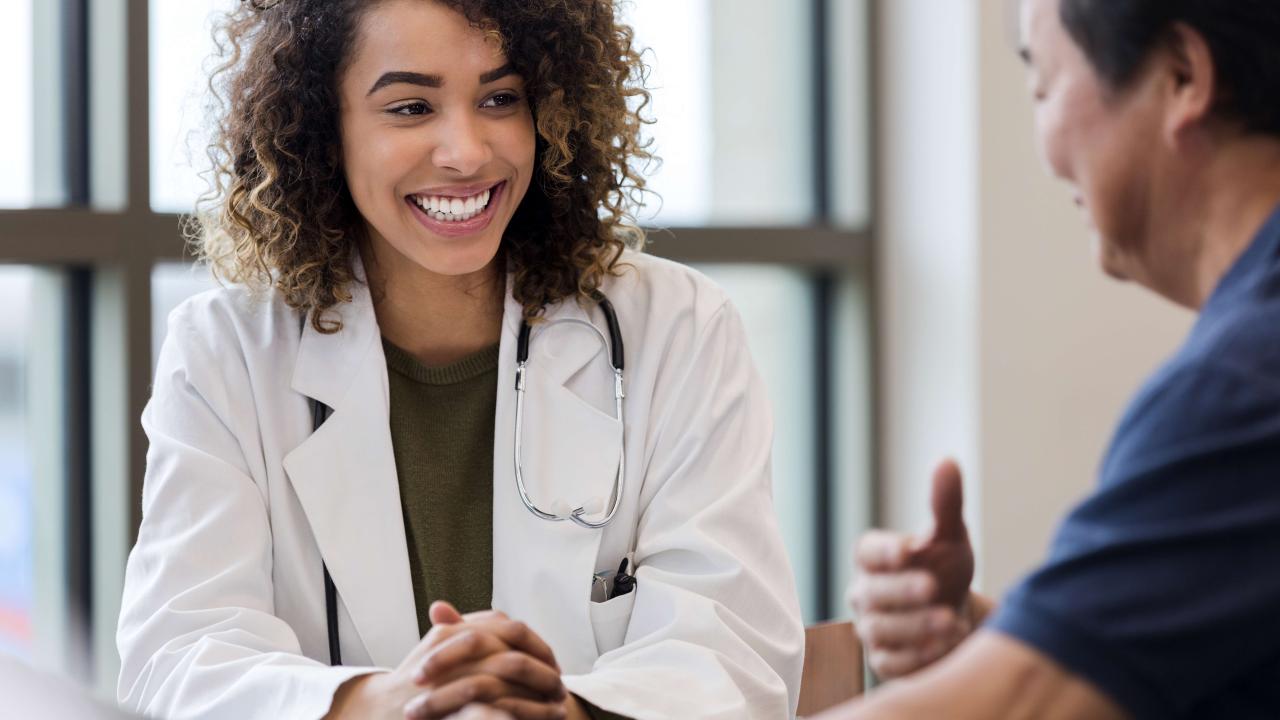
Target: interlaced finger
518,636
463,646
450,698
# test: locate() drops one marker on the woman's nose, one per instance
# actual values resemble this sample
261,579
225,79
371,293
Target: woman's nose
462,147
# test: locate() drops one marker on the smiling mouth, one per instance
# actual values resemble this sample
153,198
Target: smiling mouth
450,209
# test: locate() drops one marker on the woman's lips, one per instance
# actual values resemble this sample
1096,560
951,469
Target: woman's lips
461,228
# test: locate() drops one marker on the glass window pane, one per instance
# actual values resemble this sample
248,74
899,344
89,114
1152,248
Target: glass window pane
17,504
849,98
181,48
732,98
16,152
852,420
777,307
171,283
30,132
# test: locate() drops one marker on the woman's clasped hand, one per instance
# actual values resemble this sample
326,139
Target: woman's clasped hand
463,664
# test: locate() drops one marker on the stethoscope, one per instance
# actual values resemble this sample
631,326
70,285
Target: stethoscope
577,515
614,343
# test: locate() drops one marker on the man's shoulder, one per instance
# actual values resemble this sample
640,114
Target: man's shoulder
1242,340
1217,397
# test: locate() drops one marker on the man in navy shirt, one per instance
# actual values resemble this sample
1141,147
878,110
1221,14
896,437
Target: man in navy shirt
1161,594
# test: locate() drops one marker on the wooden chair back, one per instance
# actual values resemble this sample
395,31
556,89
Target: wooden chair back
832,667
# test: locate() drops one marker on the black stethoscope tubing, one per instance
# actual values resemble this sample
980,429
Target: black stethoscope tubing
320,412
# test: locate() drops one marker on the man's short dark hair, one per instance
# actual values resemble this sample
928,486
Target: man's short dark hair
1118,36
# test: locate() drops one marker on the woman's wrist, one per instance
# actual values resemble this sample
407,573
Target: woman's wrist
351,699
574,709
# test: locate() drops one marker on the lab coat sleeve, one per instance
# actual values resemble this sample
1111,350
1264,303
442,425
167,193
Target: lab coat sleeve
197,633
715,631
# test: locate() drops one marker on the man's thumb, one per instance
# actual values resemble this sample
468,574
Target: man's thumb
948,502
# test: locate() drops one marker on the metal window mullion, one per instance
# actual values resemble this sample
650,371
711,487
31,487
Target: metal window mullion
77,431
75,88
875,365
140,247
872,253
823,285
825,510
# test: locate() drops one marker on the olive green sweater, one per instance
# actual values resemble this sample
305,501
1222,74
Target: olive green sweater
442,438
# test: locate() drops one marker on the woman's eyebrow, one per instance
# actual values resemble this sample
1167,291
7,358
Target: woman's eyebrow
434,81
497,74
410,78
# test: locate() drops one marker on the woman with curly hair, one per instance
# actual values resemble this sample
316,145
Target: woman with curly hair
392,472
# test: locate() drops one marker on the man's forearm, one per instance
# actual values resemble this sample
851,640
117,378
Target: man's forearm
988,677
979,608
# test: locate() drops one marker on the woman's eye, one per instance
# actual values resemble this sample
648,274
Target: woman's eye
411,109
501,100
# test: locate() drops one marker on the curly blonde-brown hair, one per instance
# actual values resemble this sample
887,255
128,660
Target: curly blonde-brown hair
279,212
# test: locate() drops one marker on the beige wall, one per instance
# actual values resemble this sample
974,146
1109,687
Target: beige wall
1002,344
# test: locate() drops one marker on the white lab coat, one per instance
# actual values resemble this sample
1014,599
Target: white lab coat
224,614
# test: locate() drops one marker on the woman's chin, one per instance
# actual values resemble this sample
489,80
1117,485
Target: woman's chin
458,262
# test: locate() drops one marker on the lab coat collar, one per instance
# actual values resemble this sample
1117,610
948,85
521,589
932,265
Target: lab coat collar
328,363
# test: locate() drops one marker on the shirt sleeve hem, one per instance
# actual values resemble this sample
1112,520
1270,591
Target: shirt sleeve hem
1080,653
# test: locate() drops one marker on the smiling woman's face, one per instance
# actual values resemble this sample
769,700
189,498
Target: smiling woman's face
437,136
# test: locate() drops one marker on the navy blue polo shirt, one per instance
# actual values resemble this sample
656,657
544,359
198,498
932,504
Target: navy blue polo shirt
1163,588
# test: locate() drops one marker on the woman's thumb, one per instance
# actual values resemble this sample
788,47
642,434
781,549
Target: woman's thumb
444,613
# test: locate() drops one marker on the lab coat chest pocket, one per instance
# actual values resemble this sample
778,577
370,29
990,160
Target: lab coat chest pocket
609,621
570,449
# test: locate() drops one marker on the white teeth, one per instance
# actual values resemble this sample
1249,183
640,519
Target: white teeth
453,209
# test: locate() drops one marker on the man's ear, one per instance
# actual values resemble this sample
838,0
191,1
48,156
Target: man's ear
1192,81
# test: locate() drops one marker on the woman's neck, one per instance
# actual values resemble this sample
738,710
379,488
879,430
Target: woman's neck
439,319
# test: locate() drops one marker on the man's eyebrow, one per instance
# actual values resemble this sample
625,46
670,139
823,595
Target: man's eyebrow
497,74
404,76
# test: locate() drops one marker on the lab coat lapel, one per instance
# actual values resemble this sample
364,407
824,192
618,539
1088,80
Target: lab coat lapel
542,570
345,478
